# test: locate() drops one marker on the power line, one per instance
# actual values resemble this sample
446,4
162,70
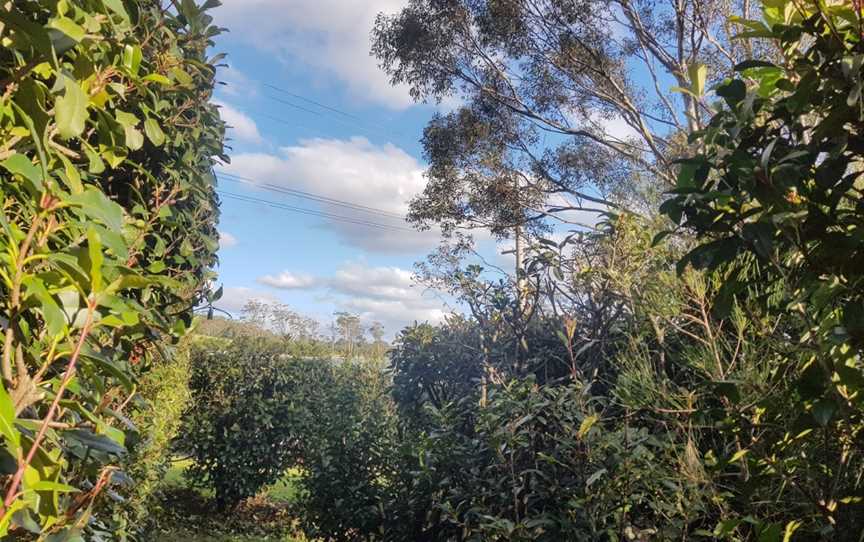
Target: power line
303,211
311,212
295,106
313,102
308,195
355,120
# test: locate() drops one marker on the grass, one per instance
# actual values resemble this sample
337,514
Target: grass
188,514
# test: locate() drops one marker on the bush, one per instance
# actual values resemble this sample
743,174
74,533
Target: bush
164,396
248,403
107,140
349,454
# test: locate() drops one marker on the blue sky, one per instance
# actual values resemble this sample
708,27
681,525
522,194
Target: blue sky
367,154
312,112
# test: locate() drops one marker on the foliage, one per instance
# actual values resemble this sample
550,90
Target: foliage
435,365
349,455
564,105
240,427
774,194
257,412
163,396
108,216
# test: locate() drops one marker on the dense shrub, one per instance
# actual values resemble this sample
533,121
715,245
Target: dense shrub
107,139
163,398
349,455
241,425
774,195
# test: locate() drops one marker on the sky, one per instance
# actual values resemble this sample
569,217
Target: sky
314,120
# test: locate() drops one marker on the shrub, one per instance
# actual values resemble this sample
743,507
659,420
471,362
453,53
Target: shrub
248,401
349,454
164,396
773,193
107,139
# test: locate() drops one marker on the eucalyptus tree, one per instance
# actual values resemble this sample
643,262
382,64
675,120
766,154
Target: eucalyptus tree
564,105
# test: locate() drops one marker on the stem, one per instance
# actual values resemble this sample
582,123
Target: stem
15,300
49,417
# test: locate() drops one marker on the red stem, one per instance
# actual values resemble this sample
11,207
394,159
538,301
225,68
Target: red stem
11,494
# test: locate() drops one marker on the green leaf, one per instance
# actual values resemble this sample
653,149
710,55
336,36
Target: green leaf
181,76
94,441
97,205
157,78
117,7
823,411
96,165
19,164
738,455
55,320
791,527
594,477
126,119
71,110
683,90
753,63
586,425
48,485
97,259
72,177
68,27
132,58
154,132
698,76
134,138
7,418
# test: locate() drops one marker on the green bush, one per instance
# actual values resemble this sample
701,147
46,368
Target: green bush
164,396
107,233
248,403
349,454
774,195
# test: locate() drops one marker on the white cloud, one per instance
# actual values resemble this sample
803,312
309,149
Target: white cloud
234,298
381,177
330,37
288,281
226,240
384,294
240,125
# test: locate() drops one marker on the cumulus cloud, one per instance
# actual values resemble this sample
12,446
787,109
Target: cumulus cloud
226,240
234,298
384,294
329,37
381,177
288,281
240,126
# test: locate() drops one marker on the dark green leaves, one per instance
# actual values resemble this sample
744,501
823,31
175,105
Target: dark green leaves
19,164
97,206
83,220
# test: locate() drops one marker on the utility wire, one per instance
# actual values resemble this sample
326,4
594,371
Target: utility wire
295,106
307,195
313,102
311,212
354,119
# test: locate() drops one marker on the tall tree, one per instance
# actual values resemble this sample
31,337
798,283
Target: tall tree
566,105
349,330
376,331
